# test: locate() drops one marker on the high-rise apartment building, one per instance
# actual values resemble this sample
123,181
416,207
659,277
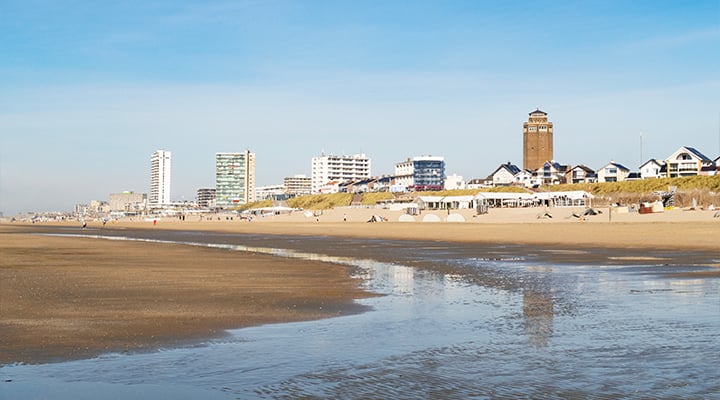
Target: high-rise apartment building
338,168
160,163
421,173
234,179
298,185
537,140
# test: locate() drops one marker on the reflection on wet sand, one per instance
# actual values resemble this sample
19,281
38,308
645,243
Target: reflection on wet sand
538,309
459,321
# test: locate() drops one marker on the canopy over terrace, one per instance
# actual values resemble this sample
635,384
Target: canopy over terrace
576,198
566,199
445,202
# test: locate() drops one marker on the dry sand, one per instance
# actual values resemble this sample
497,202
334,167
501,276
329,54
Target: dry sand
66,298
674,229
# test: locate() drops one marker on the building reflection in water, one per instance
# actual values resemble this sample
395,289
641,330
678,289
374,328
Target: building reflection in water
538,308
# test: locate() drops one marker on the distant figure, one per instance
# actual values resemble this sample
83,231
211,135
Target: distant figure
344,217
154,222
84,224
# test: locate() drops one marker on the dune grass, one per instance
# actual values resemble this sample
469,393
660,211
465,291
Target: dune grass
704,189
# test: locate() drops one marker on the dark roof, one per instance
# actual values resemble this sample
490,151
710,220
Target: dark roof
658,162
620,166
698,154
584,168
537,110
511,168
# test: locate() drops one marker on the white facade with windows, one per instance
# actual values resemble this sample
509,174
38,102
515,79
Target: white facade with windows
421,173
206,197
404,173
298,185
338,168
613,172
687,161
455,182
651,169
160,169
269,192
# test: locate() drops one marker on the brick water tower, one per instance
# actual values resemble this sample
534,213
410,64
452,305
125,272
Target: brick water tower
537,140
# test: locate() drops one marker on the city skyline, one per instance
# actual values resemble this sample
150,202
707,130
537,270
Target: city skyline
90,90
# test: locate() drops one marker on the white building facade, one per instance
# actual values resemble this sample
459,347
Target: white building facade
652,169
128,201
298,185
421,173
338,168
206,197
160,170
687,161
234,179
270,192
455,182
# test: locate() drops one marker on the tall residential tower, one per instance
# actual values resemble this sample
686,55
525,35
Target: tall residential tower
537,140
234,179
160,177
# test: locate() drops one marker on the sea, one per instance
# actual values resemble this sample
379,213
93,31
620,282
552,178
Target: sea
454,321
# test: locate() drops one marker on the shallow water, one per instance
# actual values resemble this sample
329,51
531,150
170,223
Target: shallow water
457,321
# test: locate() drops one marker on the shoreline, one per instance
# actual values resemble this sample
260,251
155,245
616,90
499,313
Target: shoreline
65,298
673,229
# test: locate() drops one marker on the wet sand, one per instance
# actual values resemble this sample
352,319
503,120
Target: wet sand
63,298
68,298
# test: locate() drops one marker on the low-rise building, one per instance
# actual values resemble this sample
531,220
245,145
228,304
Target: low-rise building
551,173
329,187
652,168
128,202
613,172
581,174
206,197
526,178
687,161
272,192
454,182
504,175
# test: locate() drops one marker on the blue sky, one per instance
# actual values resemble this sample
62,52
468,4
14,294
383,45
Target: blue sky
88,90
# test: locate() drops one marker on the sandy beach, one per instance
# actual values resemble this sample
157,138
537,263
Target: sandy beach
67,298
673,229
64,298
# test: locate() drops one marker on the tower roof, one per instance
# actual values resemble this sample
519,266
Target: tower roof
537,111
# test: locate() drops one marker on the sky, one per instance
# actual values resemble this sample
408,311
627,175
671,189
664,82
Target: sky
89,90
